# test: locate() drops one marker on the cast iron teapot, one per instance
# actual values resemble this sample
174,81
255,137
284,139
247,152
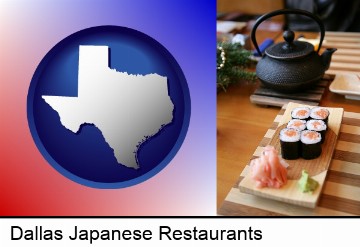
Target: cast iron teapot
293,65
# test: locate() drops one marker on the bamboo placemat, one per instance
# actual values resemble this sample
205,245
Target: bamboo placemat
347,58
341,191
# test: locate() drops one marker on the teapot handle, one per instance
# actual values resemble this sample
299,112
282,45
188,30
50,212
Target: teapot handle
287,11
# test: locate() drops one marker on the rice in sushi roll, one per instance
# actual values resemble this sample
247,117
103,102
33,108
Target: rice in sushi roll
290,143
317,125
320,113
297,124
310,144
302,113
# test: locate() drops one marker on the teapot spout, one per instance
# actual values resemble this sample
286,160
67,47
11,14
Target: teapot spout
326,57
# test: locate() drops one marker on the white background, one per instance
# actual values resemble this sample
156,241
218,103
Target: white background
294,232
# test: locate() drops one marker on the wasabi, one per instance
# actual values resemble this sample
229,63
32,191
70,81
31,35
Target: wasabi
306,183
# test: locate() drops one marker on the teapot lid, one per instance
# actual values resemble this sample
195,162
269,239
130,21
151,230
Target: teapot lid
290,49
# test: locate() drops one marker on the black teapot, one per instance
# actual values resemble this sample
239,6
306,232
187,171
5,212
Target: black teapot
293,65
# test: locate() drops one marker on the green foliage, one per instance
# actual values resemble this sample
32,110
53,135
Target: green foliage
235,67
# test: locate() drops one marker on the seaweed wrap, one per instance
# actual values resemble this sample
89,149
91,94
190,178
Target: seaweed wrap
290,143
310,144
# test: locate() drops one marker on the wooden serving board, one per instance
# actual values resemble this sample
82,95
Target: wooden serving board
317,168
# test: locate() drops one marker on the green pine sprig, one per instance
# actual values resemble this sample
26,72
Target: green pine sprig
235,67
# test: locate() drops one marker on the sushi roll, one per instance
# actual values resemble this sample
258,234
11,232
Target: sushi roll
320,113
297,124
290,143
317,125
302,113
310,144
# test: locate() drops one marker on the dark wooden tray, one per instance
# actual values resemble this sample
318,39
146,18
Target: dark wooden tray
268,97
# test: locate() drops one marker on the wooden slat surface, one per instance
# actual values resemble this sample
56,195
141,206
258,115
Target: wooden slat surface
340,71
269,97
340,44
341,192
330,38
347,52
342,34
347,58
345,66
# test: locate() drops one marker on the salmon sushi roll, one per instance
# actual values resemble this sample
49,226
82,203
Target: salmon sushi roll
310,144
320,113
297,124
302,113
290,143
317,125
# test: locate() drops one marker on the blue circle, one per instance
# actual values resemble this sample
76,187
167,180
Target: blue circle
85,157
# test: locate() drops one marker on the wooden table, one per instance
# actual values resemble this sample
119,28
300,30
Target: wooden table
241,129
